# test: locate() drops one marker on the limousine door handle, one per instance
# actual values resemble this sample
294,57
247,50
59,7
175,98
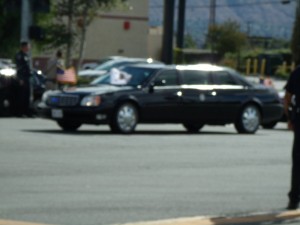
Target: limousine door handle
213,93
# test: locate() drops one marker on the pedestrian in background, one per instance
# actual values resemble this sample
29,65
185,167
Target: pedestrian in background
293,115
268,82
23,84
55,67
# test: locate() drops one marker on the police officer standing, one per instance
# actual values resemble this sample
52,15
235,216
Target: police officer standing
23,89
292,89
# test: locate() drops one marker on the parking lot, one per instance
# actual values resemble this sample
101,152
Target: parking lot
160,172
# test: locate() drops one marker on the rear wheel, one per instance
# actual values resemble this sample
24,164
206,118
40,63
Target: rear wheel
68,125
248,120
192,128
125,119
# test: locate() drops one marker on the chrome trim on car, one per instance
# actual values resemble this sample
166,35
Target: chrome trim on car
63,100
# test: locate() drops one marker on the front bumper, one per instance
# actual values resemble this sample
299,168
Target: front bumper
87,115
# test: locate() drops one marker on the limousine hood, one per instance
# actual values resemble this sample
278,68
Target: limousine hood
96,90
84,73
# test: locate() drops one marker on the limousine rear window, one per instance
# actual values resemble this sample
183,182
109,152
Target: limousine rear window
194,77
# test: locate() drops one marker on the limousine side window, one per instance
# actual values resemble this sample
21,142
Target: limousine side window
224,78
167,78
195,77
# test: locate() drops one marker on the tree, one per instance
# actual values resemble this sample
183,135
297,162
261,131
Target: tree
9,21
68,26
226,38
189,42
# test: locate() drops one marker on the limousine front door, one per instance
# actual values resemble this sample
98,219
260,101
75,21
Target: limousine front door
162,102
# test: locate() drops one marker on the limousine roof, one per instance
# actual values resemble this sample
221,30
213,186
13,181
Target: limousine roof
202,66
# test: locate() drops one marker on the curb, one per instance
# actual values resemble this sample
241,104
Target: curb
13,222
254,218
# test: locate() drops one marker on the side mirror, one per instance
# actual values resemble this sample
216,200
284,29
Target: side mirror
156,83
151,87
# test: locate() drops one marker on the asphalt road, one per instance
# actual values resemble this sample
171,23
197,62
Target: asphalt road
93,177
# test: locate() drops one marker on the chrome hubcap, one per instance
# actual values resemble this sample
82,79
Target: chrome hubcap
127,118
250,118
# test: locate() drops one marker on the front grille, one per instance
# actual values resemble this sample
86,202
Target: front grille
63,100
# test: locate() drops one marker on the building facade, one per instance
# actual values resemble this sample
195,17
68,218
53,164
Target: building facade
119,32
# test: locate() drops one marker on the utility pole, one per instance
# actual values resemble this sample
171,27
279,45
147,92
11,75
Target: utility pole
249,23
180,24
167,45
26,19
212,23
212,13
298,8
296,35
180,31
295,42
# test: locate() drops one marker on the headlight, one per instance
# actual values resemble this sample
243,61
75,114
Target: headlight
7,72
91,100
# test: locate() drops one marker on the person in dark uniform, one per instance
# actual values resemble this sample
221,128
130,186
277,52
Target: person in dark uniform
293,114
23,87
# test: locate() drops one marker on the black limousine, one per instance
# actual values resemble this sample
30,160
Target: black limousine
192,95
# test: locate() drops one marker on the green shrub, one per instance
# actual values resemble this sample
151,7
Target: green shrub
83,80
281,73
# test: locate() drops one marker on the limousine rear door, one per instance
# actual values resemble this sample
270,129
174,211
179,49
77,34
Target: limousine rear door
231,93
199,98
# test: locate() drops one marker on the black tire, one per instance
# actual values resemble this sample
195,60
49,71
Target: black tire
68,125
270,125
193,128
248,120
124,119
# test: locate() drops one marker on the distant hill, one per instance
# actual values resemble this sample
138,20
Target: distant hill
265,18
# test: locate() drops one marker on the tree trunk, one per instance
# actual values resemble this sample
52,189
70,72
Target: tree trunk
70,42
83,36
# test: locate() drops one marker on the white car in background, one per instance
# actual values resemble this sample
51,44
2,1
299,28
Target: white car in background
7,68
105,67
92,65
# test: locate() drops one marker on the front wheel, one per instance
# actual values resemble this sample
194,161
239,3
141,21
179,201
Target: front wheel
192,128
124,119
248,120
68,125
